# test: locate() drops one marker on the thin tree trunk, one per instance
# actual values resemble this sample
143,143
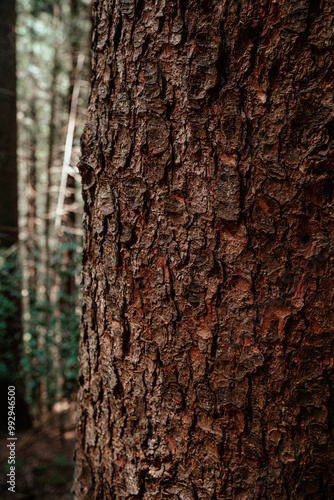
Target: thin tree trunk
206,352
74,46
48,341
30,242
50,161
31,206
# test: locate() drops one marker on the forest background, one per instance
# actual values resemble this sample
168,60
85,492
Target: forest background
45,58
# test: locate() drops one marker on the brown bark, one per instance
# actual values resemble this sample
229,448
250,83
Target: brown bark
207,343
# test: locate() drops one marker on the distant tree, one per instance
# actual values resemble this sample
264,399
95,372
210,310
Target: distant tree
11,327
8,131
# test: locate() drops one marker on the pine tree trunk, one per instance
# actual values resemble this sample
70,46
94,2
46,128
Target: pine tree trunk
207,343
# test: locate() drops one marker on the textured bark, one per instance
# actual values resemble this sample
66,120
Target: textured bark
207,167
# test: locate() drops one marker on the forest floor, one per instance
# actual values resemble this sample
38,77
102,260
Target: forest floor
44,458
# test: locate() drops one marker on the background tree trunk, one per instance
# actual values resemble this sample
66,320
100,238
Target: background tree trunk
11,312
8,129
207,343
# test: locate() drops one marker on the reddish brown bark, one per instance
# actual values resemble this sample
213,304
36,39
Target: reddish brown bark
207,343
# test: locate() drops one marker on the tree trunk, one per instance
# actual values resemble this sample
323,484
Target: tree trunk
207,343
8,128
11,320
32,243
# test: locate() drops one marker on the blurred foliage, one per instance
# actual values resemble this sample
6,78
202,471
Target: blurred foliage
38,6
36,360
10,293
61,324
